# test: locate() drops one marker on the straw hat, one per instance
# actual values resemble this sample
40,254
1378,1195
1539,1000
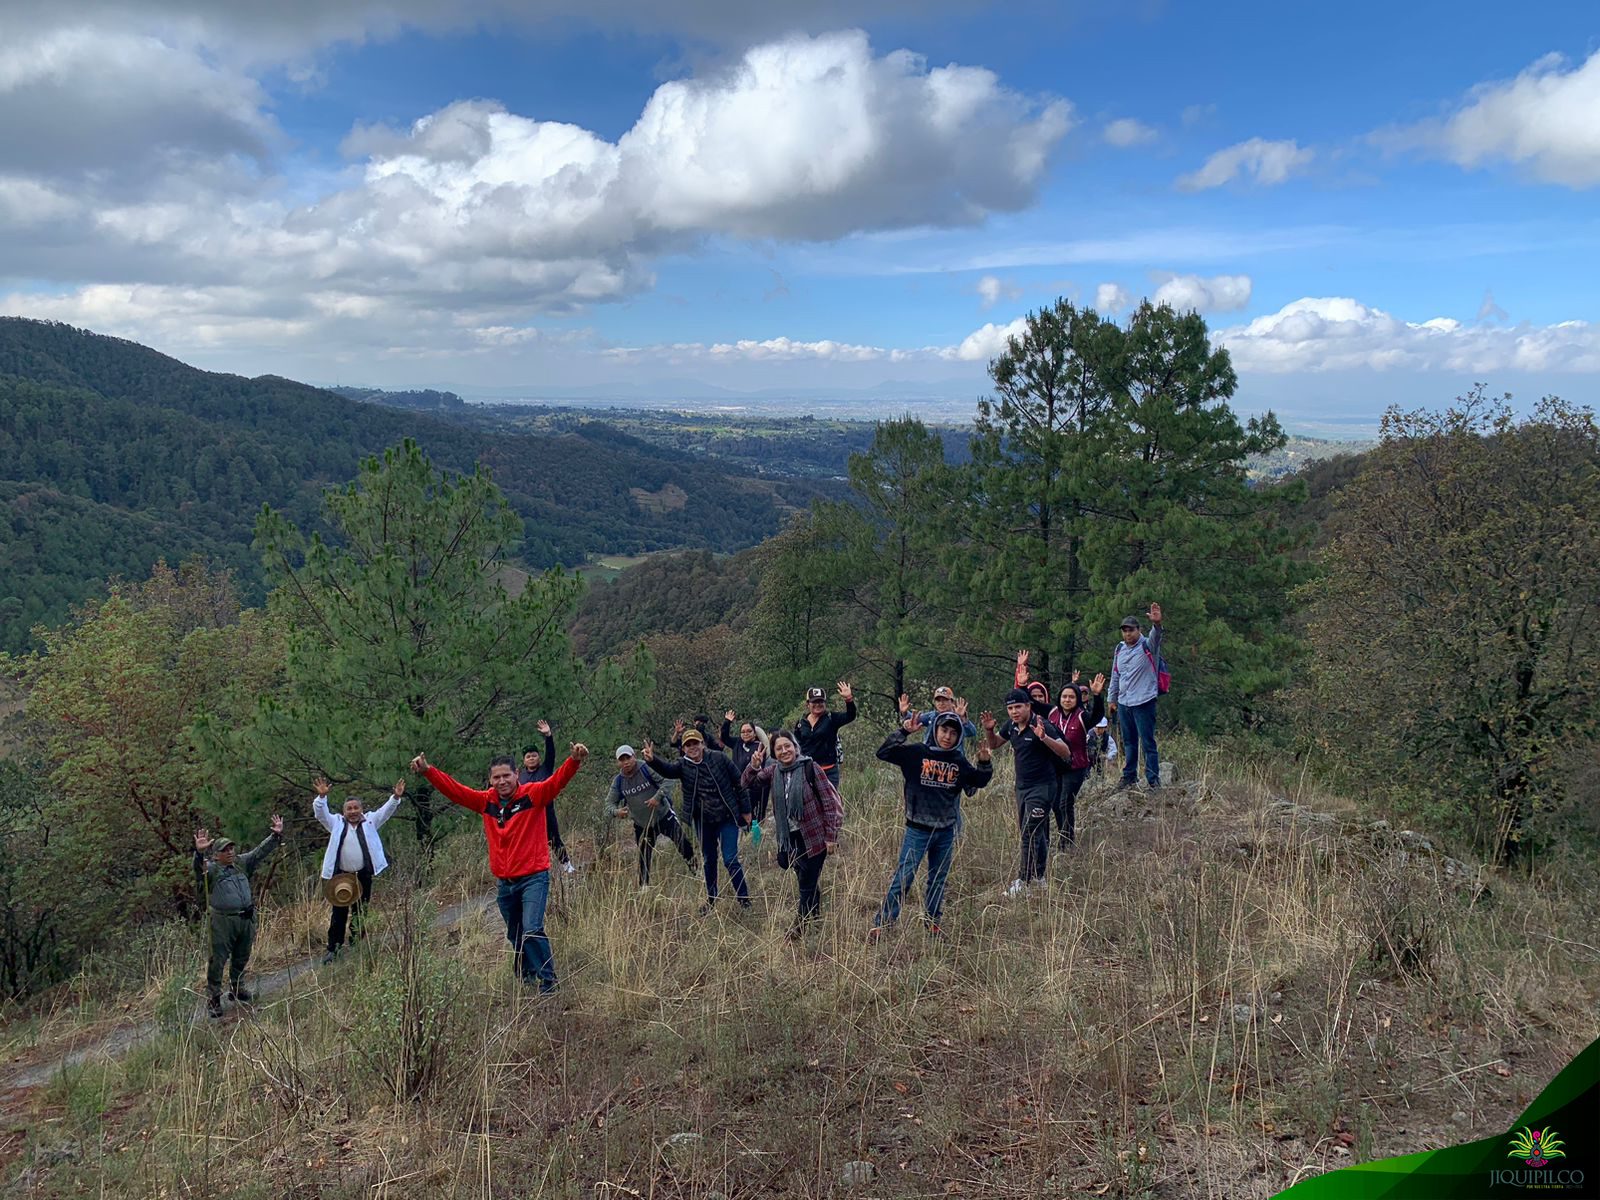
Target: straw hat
343,890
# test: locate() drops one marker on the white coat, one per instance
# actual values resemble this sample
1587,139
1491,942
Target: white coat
334,822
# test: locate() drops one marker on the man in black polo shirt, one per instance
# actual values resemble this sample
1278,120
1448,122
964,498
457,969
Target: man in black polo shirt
818,730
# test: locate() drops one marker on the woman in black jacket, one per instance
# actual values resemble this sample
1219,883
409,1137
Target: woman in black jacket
741,749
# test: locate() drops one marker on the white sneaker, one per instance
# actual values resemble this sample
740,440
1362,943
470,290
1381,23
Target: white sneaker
1015,889
1039,882
645,889
569,867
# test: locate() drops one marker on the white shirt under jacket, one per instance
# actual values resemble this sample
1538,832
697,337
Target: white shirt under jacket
334,822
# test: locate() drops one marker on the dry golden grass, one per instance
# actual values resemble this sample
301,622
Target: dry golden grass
1206,1001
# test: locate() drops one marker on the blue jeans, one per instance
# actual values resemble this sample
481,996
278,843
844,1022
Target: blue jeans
1138,725
722,835
938,847
522,904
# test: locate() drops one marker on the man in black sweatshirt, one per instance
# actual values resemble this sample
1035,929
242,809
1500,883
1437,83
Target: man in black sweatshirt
934,776
536,770
818,730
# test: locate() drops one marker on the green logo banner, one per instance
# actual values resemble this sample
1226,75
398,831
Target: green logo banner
1552,1151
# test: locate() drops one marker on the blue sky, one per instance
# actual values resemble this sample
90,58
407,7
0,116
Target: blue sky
1371,204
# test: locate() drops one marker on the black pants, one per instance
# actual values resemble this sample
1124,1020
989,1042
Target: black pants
1071,784
1035,803
645,839
808,872
351,916
760,793
552,828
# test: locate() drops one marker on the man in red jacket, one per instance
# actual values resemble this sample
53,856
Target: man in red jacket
519,850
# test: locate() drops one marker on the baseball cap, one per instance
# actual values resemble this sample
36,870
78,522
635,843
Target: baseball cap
1131,622
943,693
947,719
815,694
692,734
221,844
1018,696
624,751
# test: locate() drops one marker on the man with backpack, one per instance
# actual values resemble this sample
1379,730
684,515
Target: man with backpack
637,792
1138,678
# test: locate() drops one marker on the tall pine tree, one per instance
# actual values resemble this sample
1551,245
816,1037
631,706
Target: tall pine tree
405,638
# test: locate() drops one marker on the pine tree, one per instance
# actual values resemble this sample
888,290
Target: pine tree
405,639
1174,519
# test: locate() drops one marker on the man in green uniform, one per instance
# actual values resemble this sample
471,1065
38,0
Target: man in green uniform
226,883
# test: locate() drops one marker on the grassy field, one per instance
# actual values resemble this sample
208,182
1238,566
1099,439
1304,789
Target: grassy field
1214,997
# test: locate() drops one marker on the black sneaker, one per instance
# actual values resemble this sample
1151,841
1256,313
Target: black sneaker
239,996
744,903
214,1006
1123,785
705,909
327,959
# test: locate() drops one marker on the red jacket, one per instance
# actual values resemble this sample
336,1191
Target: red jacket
514,829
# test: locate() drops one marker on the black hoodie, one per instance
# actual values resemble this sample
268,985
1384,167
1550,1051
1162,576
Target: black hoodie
934,779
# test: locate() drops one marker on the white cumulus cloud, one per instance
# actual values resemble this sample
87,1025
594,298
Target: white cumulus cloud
992,289
1337,333
1219,293
1111,298
1126,131
1260,161
1546,120
475,210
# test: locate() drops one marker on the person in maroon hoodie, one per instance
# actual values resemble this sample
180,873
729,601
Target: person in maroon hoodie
519,850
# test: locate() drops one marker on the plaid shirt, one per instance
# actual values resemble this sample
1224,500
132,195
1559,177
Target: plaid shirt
821,813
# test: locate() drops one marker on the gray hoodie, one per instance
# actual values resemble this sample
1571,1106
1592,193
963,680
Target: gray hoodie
636,791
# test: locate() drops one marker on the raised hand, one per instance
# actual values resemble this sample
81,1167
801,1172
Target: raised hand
845,691
912,723
961,707
202,839
419,764
400,788
1022,659
677,727
905,703
1098,684
320,785
1154,614
276,825
1037,728
986,721
1077,675
649,749
758,756
543,726
580,752
728,716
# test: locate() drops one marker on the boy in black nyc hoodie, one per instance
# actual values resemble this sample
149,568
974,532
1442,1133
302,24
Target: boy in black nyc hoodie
934,776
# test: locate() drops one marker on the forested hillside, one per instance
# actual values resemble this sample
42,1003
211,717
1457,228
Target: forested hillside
113,455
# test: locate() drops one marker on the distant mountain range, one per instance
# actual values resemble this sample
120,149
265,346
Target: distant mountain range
113,455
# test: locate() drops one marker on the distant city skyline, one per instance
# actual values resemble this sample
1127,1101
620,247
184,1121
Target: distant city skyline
1372,205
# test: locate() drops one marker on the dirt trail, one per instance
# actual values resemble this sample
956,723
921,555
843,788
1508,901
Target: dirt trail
123,1038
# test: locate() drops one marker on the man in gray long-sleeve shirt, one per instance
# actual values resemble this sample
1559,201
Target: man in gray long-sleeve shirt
226,884
1132,697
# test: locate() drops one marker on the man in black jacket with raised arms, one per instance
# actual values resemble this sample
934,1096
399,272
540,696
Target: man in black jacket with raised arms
717,803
